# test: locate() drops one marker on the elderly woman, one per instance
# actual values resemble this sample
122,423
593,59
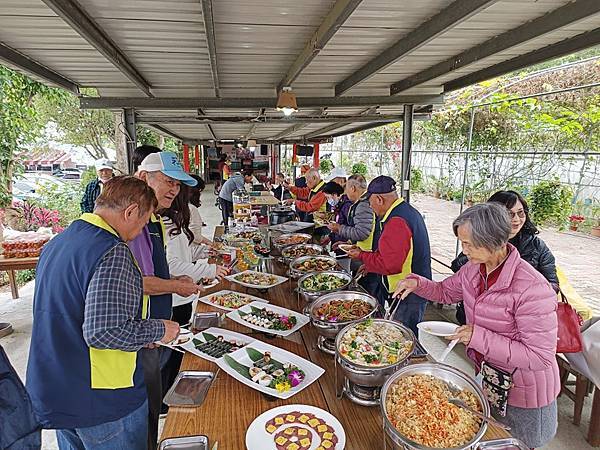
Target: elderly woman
524,236
511,329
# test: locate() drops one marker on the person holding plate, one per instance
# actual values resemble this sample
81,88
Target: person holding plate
400,246
511,329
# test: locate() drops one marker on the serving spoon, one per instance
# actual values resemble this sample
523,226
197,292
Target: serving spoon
490,420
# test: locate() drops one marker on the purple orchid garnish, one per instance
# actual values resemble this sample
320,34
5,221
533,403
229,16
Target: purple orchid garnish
295,378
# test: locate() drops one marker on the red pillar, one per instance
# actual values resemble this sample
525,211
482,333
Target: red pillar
316,162
197,158
295,154
186,157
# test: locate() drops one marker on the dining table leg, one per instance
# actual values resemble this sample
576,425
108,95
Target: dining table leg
13,284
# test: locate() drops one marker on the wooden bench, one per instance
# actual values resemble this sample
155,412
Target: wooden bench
13,264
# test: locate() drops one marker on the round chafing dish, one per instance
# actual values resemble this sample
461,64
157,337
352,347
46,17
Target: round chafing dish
295,272
280,241
310,296
288,252
327,330
455,379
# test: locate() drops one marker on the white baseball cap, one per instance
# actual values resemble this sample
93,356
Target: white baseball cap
167,163
103,163
337,172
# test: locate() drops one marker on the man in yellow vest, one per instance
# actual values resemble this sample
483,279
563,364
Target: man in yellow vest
84,373
313,192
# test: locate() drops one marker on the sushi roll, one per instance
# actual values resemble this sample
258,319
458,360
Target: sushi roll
253,371
256,378
277,373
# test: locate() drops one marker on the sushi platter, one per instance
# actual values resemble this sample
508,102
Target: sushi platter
230,300
269,318
213,343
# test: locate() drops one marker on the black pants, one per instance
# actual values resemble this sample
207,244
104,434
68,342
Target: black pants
152,377
226,210
181,315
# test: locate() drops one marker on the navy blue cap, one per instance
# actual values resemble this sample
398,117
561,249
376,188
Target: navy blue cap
381,185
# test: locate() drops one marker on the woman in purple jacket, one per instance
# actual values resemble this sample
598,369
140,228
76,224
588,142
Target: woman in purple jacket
511,328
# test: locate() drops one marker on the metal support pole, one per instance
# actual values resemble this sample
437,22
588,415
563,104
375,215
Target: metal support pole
407,135
466,167
130,135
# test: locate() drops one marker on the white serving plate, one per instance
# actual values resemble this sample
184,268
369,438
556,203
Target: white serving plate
312,371
301,319
206,298
279,278
436,328
184,333
227,335
257,438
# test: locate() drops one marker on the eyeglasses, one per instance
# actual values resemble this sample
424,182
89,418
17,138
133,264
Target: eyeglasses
520,213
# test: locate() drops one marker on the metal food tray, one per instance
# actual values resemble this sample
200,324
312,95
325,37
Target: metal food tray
189,389
502,444
291,227
185,443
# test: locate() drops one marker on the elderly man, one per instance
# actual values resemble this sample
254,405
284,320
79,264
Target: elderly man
360,225
400,246
104,172
235,182
164,174
313,192
84,374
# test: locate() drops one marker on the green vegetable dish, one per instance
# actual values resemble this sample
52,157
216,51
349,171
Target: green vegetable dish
323,282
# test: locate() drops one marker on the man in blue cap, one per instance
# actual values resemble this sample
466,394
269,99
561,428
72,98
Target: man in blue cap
400,246
163,172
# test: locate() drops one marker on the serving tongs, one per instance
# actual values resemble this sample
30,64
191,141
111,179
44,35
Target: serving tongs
391,308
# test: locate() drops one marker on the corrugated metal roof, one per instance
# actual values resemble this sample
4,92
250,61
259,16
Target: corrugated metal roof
257,42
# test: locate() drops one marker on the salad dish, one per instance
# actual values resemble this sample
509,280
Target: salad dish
295,427
270,369
256,280
213,343
230,300
269,318
374,343
323,282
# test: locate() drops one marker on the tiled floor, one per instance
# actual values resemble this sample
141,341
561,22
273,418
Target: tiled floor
18,312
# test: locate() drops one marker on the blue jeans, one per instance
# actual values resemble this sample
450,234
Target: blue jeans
127,433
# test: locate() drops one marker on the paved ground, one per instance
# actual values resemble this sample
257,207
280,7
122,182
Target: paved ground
439,217
577,254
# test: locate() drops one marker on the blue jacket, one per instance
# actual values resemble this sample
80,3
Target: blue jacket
19,430
63,371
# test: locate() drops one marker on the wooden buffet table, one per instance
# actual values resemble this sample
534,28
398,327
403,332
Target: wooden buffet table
12,264
230,406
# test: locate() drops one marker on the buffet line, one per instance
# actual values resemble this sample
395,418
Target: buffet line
312,363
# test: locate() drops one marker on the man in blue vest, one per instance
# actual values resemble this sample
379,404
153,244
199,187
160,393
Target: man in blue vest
164,174
400,246
84,373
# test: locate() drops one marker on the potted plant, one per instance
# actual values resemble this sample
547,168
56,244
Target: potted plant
574,221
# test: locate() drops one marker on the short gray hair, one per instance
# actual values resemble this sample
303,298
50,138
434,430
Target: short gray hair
357,180
489,223
312,172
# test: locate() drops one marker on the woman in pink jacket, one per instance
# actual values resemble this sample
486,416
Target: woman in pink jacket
511,329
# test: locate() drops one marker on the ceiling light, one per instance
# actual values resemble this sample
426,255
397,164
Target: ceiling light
286,102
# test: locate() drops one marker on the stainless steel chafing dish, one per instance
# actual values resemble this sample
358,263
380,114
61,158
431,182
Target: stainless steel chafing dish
455,379
290,253
327,330
296,272
371,376
311,295
279,242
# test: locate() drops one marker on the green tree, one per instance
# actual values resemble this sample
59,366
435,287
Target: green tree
19,123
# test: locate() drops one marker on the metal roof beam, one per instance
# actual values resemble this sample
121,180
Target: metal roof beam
447,18
339,13
565,47
304,120
560,17
335,126
247,102
19,60
162,130
209,31
208,127
255,124
78,19
299,126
